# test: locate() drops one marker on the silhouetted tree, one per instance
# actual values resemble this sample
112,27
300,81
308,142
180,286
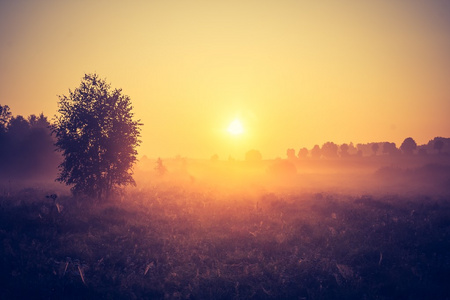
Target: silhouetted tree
422,152
330,150
42,148
438,145
97,136
316,152
352,149
290,153
408,146
390,148
39,121
303,153
18,127
375,148
344,150
160,168
214,158
27,149
5,116
253,156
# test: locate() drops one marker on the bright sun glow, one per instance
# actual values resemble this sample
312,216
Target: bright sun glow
235,127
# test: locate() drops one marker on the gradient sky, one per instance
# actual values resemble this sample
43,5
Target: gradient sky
296,73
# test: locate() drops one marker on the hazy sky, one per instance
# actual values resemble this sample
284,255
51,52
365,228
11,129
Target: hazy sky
296,73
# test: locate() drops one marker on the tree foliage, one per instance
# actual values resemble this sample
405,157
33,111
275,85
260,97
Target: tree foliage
316,152
438,145
390,148
344,150
97,136
27,149
253,156
408,146
5,116
290,153
330,150
160,168
375,147
303,153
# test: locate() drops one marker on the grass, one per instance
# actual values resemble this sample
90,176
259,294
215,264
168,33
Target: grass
176,244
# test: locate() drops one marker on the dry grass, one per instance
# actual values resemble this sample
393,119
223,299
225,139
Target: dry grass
175,244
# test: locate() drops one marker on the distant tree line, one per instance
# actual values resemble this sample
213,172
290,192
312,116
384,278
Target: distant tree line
330,150
27,148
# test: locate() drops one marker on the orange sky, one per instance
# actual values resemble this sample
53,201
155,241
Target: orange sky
296,73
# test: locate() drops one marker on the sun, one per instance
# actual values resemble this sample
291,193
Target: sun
235,127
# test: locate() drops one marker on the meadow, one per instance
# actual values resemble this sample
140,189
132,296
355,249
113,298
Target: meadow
163,240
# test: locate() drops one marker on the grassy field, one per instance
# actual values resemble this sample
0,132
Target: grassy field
171,243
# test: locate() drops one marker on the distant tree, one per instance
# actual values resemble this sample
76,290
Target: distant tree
42,148
316,152
344,150
330,150
423,152
408,146
390,148
18,127
27,149
438,145
359,153
303,153
290,153
375,147
5,116
215,158
39,121
352,149
253,156
160,168
97,136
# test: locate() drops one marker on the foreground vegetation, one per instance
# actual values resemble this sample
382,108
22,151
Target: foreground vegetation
179,244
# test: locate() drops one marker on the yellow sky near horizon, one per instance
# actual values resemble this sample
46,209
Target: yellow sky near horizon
296,73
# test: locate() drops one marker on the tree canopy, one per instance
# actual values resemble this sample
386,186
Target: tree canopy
27,149
5,116
97,136
408,146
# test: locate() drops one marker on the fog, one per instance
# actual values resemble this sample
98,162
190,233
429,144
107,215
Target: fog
377,175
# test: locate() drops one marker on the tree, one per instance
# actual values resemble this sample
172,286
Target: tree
390,148
344,150
316,152
375,147
290,153
408,146
160,168
39,122
253,156
303,153
5,116
329,150
438,145
18,127
97,136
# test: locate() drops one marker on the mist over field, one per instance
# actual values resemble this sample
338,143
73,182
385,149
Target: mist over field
406,175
